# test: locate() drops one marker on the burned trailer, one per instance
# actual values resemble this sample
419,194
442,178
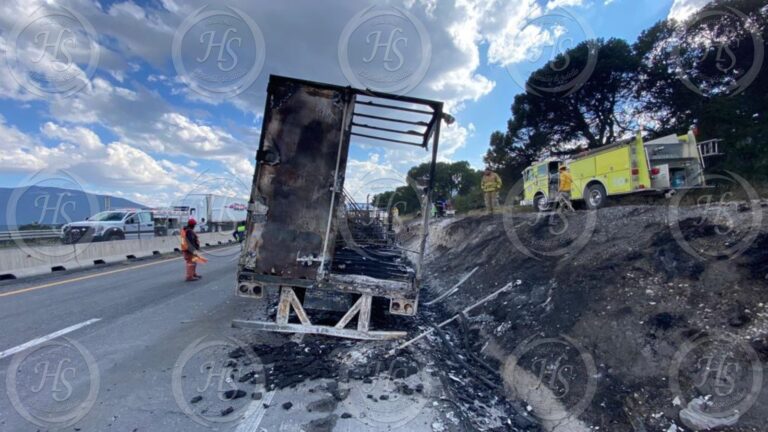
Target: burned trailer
308,245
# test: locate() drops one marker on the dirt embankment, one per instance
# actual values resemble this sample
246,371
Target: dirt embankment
635,318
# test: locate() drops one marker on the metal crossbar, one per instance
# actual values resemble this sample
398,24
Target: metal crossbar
290,302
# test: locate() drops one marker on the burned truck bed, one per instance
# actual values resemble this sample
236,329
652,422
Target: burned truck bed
308,243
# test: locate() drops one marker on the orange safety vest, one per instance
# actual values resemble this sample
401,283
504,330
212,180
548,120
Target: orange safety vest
184,243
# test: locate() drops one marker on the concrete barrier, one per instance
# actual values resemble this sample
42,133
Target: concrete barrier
19,262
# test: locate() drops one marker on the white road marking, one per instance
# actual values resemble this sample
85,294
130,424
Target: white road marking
44,339
255,414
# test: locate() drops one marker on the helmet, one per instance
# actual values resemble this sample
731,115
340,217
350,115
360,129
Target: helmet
191,222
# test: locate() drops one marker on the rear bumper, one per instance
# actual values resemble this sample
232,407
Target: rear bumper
668,190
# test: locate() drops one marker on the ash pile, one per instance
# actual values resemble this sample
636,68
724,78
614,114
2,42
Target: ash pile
367,247
442,385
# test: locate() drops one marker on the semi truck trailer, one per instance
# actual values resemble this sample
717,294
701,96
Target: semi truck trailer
307,249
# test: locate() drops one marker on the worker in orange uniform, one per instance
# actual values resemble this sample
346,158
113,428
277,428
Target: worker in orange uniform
491,185
190,245
564,188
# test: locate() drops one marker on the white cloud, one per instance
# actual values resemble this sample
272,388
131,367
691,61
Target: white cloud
454,138
682,9
554,4
105,167
149,129
144,120
18,151
371,176
518,35
130,166
198,137
80,136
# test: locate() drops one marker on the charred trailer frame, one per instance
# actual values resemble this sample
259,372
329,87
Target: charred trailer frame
305,237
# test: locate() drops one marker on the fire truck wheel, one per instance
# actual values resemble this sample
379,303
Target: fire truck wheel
540,203
595,196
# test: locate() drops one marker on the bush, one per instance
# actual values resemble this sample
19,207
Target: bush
471,201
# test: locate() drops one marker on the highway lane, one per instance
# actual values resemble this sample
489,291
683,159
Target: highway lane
37,306
130,347
136,320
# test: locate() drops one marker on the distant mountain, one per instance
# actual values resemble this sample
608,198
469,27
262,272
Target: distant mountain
52,206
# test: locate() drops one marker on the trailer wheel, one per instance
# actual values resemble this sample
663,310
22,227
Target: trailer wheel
595,196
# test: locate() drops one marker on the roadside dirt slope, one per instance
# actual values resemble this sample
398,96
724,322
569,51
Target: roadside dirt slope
632,318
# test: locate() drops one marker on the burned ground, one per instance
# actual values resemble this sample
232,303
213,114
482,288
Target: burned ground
641,296
608,320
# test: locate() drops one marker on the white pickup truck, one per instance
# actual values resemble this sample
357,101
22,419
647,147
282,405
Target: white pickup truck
110,225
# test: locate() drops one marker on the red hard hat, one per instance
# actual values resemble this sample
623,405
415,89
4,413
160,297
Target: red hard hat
192,222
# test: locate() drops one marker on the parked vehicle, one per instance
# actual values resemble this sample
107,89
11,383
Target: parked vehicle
305,242
214,212
661,166
450,211
126,224
169,221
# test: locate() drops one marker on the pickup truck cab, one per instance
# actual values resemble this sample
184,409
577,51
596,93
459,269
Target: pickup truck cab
110,225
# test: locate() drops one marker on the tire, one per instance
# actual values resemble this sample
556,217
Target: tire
595,196
540,204
113,237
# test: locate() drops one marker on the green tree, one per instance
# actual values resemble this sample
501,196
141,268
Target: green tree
452,180
594,113
598,112
404,198
710,71
512,151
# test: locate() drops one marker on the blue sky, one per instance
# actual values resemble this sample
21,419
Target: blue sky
133,102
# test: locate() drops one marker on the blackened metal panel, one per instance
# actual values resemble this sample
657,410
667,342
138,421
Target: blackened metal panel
292,189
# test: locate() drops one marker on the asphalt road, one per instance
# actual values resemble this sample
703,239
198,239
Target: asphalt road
133,321
131,347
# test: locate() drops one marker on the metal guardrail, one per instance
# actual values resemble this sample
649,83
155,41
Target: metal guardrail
29,235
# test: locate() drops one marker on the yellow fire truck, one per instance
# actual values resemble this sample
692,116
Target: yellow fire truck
633,166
